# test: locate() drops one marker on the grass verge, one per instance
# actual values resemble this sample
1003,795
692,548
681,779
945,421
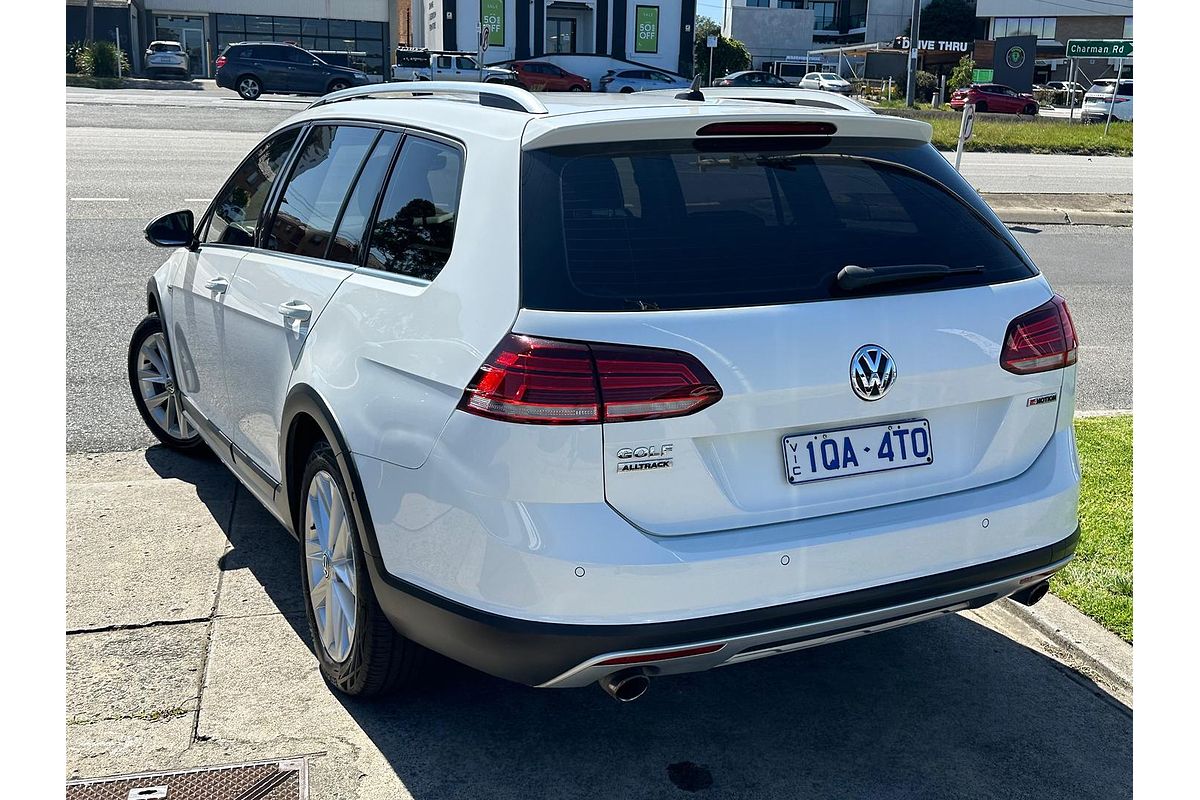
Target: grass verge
1099,582
1013,134
1036,136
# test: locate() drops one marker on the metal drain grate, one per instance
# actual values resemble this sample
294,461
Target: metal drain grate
285,779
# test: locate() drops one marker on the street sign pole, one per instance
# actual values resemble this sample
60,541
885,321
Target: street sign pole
1071,90
914,40
485,33
1113,101
118,32
965,129
712,52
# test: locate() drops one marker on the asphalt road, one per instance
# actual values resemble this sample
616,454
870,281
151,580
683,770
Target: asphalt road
134,155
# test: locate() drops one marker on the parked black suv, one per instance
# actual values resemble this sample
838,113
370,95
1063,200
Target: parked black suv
255,68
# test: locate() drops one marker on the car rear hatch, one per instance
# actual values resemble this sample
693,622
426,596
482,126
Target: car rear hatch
720,257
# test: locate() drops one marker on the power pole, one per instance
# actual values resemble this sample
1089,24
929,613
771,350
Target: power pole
914,39
89,23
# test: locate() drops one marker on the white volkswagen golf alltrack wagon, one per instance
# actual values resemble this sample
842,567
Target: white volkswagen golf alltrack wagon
595,389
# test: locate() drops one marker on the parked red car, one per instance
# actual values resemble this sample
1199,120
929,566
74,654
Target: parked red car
542,76
994,99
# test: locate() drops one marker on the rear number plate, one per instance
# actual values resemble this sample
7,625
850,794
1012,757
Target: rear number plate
856,451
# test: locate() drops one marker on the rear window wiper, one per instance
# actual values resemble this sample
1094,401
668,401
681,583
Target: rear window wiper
853,277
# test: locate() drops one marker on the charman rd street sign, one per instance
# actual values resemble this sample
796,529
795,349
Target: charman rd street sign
1099,48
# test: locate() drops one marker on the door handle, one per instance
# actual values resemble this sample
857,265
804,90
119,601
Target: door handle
296,310
218,285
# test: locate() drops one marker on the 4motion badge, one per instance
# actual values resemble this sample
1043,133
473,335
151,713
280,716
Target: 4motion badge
641,459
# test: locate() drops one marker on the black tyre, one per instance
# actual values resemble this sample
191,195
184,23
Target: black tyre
1030,110
337,86
576,88
981,108
626,90
249,87
155,391
359,651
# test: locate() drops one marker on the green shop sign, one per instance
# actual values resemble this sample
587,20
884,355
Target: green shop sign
1099,48
647,30
491,13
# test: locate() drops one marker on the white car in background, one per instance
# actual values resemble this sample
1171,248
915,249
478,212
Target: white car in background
166,59
825,82
640,80
1099,100
576,389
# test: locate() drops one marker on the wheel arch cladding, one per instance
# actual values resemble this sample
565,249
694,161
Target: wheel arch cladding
306,420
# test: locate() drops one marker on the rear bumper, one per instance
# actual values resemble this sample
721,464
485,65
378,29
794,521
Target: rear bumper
563,655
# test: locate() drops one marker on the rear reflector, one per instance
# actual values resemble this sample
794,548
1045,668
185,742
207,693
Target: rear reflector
550,382
768,129
665,655
1040,340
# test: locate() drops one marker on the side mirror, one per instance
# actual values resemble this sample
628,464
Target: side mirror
172,230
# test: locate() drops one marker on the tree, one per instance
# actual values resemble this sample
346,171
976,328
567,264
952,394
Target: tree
947,21
961,77
729,56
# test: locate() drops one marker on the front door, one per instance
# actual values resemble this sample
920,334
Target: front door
197,334
560,35
199,289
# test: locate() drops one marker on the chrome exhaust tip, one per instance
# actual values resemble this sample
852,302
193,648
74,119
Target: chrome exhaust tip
627,685
1031,594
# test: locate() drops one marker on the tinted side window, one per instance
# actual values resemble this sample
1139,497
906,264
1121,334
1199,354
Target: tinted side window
444,62
348,241
414,231
466,63
238,208
327,163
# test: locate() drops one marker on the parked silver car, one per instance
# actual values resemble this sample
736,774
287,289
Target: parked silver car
167,60
640,80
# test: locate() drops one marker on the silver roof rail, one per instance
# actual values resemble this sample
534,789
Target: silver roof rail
493,95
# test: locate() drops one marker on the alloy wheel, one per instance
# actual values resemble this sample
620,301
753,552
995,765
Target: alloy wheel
249,88
330,569
156,382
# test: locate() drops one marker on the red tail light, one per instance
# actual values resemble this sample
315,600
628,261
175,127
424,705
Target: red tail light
1041,340
549,382
220,61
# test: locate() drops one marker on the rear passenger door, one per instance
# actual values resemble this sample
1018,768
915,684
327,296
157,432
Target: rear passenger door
273,67
310,244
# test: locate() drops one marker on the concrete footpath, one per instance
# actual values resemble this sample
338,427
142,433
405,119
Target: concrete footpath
187,646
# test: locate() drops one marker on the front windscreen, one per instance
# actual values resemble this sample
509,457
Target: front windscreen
719,223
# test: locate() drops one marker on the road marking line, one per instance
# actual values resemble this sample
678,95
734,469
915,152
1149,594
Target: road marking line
100,199
196,199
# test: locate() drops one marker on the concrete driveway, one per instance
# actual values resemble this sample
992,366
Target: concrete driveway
187,646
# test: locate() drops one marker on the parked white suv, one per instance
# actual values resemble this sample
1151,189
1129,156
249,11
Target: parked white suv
1099,102
584,389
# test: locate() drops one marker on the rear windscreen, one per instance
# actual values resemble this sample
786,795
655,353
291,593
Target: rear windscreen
719,223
